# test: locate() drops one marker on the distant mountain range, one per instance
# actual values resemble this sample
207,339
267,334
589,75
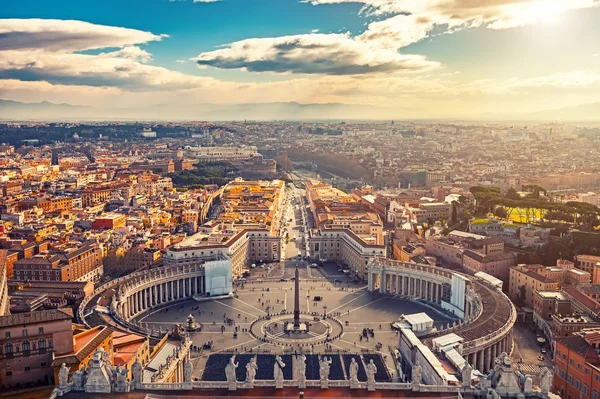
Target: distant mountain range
585,112
13,110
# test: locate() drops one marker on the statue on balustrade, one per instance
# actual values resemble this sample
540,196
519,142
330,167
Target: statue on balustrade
417,373
301,371
353,373
251,368
546,379
137,371
467,374
278,371
188,368
371,371
324,368
230,373
63,376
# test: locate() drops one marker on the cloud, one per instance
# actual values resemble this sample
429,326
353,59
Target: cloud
315,53
206,1
130,52
414,20
47,50
67,35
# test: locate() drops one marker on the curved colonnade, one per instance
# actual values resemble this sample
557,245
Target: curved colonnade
489,315
142,291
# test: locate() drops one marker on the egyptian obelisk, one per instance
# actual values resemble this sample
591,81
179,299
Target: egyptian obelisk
297,300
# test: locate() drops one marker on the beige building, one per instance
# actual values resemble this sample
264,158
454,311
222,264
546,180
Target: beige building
343,245
524,280
589,264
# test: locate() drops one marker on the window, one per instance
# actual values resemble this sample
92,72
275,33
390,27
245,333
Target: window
585,389
577,384
571,362
25,332
587,371
595,395
26,348
8,373
7,334
43,364
8,349
27,368
42,345
570,379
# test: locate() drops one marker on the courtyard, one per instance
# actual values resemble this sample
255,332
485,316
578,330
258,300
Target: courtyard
247,323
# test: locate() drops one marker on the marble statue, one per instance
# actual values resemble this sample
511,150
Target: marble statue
353,372
121,380
188,368
63,376
278,371
528,385
546,379
371,371
417,373
251,368
467,374
324,365
78,381
137,371
230,373
301,371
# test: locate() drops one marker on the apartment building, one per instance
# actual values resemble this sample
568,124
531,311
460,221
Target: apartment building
524,280
83,263
589,264
577,366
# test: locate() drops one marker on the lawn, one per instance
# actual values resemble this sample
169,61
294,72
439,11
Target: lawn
518,215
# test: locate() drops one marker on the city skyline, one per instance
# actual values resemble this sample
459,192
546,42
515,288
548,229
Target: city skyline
403,59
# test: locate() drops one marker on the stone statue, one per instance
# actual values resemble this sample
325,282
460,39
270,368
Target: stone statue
324,365
278,371
528,385
467,373
78,381
63,376
188,368
121,380
417,373
546,379
353,370
251,368
301,371
230,373
371,371
137,371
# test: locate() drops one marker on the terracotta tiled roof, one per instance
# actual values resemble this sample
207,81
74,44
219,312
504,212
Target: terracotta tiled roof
36,317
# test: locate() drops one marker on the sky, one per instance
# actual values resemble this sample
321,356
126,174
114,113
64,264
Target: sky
415,58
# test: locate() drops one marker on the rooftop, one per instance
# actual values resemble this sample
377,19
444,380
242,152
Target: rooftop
36,317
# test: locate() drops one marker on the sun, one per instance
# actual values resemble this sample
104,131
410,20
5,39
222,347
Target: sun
546,12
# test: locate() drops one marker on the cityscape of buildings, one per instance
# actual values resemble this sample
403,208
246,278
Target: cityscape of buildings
115,223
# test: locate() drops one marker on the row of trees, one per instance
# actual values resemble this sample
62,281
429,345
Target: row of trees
534,207
205,173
